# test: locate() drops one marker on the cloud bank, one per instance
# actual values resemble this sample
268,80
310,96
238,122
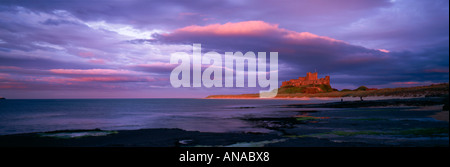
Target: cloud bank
75,49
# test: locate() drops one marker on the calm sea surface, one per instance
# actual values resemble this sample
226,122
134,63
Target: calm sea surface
207,115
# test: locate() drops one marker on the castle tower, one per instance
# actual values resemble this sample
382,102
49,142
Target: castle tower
310,79
311,76
327,80
314,76
308,76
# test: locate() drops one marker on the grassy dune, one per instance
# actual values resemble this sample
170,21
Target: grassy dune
418,91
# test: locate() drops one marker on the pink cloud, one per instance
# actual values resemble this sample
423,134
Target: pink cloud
240,28
12,86
112,79
383,50
249,28
6,82
94,79
91,71
4,76
86,54
97,61
47,79
9,68
299,36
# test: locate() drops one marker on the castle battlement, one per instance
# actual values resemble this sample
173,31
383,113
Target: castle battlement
310,79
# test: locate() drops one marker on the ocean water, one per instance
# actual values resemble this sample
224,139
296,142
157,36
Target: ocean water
206,115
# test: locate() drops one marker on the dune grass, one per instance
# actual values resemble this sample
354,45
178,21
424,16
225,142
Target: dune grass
434,90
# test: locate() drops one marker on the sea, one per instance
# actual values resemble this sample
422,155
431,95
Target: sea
204,115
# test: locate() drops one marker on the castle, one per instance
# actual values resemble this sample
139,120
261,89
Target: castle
310,79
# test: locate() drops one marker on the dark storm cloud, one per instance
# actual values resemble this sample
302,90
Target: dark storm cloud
173,14
303,52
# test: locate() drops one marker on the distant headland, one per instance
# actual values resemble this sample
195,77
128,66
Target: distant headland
312,86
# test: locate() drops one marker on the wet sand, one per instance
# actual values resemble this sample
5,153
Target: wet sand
443,116
380,123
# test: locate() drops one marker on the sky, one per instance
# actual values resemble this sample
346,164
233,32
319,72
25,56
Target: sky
121,49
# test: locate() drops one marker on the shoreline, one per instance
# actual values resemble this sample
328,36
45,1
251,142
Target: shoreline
425,101
368,98
434,90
